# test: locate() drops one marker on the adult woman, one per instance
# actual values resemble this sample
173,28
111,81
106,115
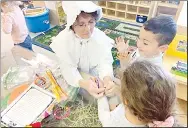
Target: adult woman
82,47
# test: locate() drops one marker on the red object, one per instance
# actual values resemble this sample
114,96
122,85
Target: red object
37,124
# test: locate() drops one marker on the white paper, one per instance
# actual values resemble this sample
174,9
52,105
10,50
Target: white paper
28,108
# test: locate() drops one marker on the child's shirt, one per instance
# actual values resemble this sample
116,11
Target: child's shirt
115,118
135,56
14,22
156,60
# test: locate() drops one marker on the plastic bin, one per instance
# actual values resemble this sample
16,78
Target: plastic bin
141,19
39,22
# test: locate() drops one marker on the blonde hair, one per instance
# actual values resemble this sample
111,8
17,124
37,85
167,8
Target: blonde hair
149,91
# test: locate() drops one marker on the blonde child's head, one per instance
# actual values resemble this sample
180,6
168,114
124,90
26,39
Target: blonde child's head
155,35
8,6
148,92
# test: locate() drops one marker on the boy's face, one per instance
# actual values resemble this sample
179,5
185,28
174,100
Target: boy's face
147,44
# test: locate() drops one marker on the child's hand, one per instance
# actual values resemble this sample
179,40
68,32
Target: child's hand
111,89
121,45
126,55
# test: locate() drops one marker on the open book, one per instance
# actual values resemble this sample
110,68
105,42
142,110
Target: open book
27,107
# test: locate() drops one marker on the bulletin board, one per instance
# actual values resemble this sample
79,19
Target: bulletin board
178,47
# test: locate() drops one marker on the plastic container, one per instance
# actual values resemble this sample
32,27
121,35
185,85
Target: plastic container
39,22
141,19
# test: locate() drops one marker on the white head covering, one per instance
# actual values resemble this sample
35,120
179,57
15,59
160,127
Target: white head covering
73,8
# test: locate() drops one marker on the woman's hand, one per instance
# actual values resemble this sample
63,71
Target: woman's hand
92,88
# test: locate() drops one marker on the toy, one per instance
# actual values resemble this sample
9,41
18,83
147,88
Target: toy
180,69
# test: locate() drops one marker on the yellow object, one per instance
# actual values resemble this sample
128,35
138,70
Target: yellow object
30,12
178,47
56,89
28,126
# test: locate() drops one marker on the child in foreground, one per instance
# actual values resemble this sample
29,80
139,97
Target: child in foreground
13,22
148,96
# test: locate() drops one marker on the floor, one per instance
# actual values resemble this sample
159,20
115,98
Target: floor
6,44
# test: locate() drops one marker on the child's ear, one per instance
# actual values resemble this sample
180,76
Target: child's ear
163,48
125,102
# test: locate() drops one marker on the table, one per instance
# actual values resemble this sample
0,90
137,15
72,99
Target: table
13,58
181,89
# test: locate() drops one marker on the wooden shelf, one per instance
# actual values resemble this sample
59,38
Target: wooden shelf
131,16
102,3
104,10
121,7
111,5
120,14
131,8
125,10
110,12
142,10
168,5
131,12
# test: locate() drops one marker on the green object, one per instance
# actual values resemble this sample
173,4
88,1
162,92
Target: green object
4,102
179,73
46,37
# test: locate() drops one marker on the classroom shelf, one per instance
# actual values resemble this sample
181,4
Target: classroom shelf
148,3
130,16
121,7
120,14
111,5
104,10
142,10
110,12
102,3
131,8
168,5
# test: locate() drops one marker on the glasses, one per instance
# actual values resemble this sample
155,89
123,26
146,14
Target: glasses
82,26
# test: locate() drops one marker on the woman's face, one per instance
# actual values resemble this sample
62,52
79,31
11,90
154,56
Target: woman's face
84,25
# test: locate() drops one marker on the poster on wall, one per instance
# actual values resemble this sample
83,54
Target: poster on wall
182,46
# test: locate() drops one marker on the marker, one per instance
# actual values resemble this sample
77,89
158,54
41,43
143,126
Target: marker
97,81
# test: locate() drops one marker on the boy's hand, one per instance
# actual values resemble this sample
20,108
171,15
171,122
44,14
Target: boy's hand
121,45
126,55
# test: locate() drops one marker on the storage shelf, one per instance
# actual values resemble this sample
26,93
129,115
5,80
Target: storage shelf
102,3
168,5
104,10
110,12
120,14
131,9
131,12
143,10
121,7
131,16
111,5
